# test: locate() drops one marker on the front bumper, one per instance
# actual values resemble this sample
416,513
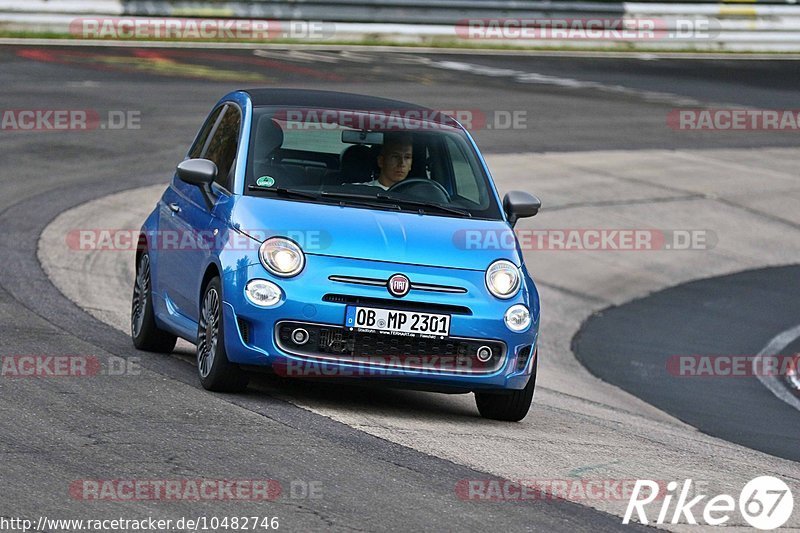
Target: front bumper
253,335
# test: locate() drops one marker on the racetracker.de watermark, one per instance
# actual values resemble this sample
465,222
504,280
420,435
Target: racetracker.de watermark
572,489
42,120
67,366
121,490
198,29
378,366
576,239
734,119
588,29
399,119
586,239
125,240
732,366
193,489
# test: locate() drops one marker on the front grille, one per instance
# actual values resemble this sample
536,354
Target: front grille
377,282
378,349
404,305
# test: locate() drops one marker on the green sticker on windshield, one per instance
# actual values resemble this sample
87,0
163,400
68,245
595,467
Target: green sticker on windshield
265,181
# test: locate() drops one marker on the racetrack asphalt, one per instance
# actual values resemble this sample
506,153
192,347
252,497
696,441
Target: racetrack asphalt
716,317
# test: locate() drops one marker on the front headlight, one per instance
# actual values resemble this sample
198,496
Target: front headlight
282,257
502,279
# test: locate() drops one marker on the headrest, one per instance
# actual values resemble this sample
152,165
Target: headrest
358,163
269,136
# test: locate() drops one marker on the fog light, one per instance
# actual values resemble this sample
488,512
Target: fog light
484,354
518,318
300,336
263,293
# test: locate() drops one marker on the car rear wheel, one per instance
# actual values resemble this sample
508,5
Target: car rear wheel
216,372
144,332
508,407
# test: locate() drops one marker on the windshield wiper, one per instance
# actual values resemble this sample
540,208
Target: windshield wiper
362,199
396,200
343,199
421,204
281,191
377,200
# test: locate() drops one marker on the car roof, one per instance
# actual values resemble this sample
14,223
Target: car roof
326,99
309,98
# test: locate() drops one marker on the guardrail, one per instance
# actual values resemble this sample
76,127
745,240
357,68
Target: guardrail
758,26
385,11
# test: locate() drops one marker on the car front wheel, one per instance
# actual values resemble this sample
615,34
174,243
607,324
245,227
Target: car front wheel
216,372
509,407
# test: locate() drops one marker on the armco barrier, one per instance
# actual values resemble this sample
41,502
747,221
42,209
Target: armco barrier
384,11
758,26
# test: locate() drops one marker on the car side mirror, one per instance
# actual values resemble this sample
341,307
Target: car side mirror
520,204
200,172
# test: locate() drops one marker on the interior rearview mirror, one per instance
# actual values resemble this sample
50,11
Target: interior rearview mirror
362,137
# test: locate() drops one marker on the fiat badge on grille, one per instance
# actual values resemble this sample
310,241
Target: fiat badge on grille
399,285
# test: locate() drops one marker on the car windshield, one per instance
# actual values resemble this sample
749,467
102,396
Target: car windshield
405,161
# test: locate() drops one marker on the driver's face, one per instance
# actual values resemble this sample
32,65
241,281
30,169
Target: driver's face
395,163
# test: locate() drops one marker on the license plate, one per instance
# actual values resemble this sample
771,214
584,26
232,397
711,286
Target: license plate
395,322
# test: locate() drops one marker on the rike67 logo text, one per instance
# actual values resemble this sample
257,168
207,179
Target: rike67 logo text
765,503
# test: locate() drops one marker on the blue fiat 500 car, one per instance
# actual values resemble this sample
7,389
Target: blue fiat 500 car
323,234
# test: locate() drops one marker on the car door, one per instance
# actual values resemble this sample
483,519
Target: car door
186,214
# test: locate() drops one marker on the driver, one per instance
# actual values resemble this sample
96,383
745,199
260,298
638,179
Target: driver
394,160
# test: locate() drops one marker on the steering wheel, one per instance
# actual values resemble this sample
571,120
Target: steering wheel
426,185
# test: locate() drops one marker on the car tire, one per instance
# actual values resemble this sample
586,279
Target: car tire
216,372
144,332
508,407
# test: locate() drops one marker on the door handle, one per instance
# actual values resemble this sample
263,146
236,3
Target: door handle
175,208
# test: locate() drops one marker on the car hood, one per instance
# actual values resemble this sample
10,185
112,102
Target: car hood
363,233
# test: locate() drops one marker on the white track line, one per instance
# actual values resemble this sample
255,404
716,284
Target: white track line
537,78
773,383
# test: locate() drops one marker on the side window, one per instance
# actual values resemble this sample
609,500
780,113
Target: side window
202,138
466,185
222,146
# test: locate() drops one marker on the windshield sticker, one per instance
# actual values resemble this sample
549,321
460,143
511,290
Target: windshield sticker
265,181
